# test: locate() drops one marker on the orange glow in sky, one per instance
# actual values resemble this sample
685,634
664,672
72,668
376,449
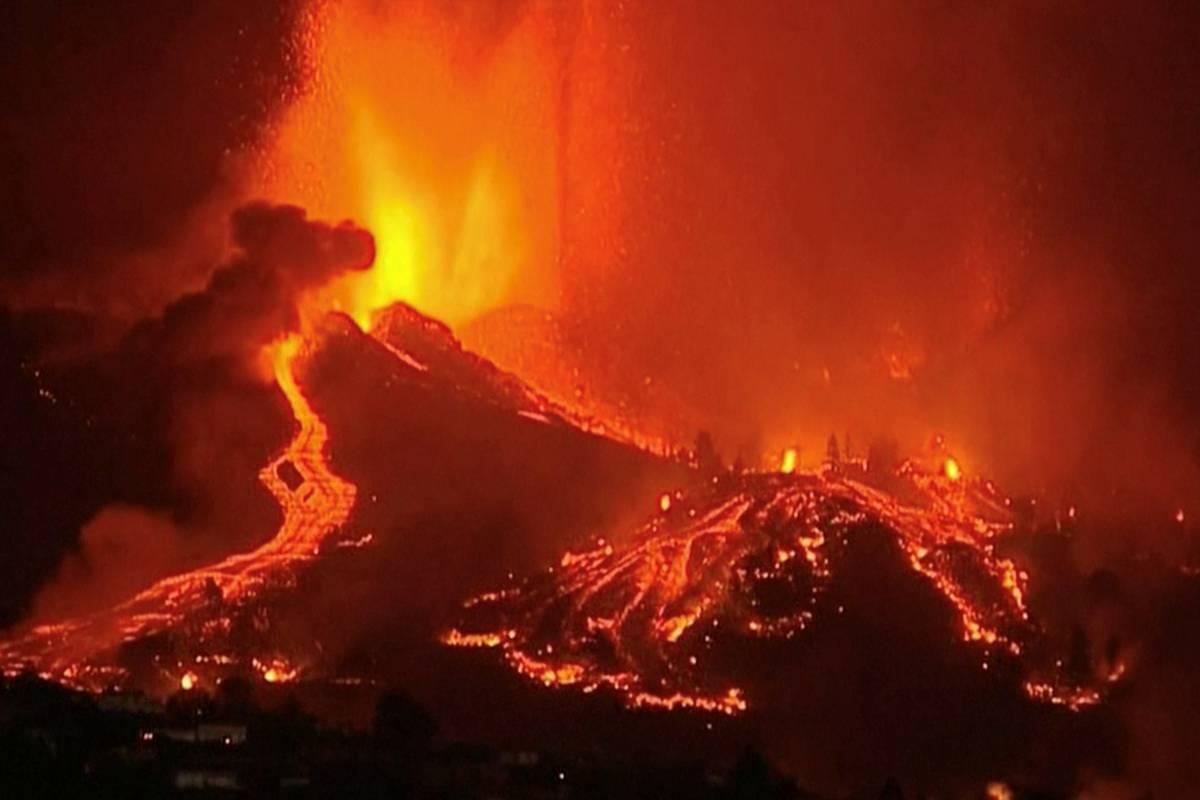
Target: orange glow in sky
437,134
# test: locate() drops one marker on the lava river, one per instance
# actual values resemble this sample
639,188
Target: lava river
314,502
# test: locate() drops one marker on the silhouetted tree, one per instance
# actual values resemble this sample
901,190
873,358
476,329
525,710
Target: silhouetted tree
235,697
751,776
186,706
1079,659
284,729
707,458
883,456
402,722
1112,651
833,453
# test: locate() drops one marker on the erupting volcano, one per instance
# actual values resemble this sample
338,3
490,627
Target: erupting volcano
734,558
815,379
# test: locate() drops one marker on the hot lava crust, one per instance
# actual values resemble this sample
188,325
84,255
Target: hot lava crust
757,560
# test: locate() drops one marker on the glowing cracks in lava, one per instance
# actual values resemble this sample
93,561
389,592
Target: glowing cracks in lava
641,620
1073,698
732,702
788,461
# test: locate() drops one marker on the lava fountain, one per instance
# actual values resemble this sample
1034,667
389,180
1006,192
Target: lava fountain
436,129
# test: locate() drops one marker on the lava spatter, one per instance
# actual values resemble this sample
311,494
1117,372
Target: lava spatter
750,560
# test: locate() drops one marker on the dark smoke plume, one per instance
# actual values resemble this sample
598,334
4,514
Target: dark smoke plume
174,422
254,298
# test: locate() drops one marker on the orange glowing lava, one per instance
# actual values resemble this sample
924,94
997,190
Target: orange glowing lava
80,651
440,136
753,561
276,670
951,469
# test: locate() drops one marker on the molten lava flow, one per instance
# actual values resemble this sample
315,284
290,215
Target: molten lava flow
322,502
81,651
752,559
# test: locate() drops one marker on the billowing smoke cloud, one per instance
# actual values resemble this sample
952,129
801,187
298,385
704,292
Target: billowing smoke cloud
254,299
118,550
182,414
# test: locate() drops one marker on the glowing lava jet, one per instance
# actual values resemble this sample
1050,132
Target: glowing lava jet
446,150
753,558
315,503
437,133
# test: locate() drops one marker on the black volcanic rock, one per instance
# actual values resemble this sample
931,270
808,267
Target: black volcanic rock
464,473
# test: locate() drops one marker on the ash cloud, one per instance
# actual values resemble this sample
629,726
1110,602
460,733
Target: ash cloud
118,550
255,298
170,425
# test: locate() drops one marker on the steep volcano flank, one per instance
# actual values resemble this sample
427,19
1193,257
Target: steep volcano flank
752,562
422,342
416,470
